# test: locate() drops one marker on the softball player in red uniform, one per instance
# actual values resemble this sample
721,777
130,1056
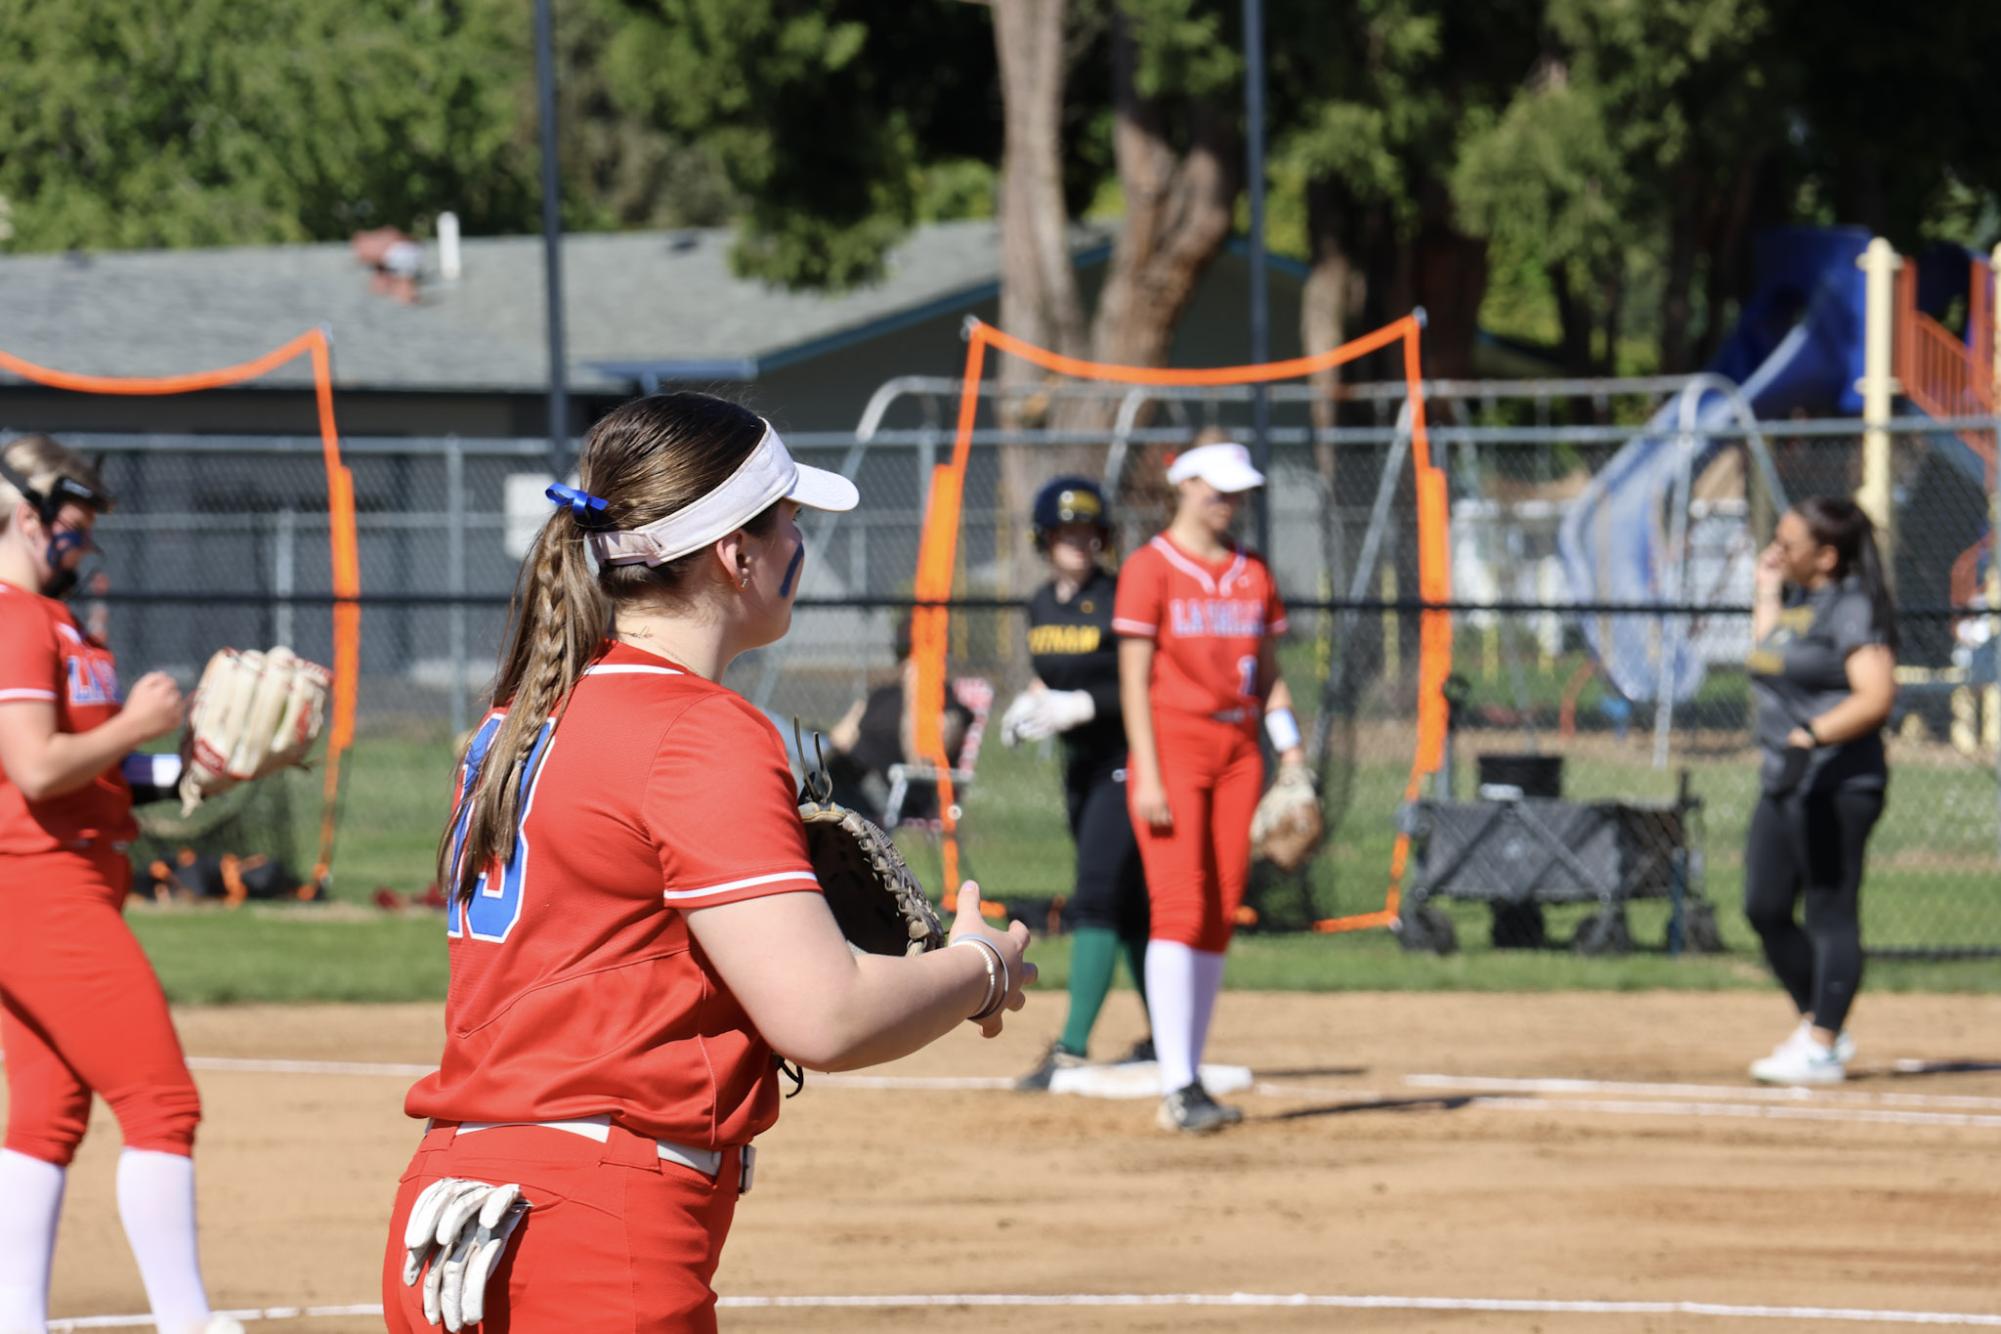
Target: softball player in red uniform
1198,620
80,1008
636,931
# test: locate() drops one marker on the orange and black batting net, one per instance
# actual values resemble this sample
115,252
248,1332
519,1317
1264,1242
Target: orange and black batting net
938,575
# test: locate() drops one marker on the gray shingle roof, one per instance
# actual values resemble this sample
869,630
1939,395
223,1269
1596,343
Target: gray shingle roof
629,298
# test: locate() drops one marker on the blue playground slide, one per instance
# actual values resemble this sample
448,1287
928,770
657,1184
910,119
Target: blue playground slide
1797,345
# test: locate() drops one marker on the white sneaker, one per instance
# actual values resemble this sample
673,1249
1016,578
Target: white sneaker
223,1324
1800,1060
1844,1045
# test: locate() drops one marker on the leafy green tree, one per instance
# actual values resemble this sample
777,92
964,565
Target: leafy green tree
1372,100
219,122
824,115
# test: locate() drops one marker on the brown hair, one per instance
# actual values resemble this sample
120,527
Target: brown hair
41,460
1840,523
646,459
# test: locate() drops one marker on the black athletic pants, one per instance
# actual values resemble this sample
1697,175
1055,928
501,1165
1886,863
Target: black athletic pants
1111,884
1811,847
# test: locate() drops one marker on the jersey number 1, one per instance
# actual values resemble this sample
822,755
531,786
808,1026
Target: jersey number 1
1247,676
495,904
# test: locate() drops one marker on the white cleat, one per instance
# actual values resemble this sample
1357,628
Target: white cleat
1800,1060
1844,1045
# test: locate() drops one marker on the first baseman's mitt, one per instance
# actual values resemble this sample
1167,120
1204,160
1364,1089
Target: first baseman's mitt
253,714
878,903
1287,828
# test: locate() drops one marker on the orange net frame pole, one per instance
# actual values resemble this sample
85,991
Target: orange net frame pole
938,553
345,550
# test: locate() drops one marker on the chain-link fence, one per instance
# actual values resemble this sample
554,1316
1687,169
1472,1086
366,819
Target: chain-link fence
223,540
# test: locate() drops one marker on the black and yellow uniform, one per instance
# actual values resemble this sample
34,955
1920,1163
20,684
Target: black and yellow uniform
1072,647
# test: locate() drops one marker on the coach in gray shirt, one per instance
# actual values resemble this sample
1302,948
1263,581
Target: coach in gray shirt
1822,683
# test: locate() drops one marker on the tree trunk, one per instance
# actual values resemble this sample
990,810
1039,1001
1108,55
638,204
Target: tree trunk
1038,285
1178,214
1038,296
1726,253
1677,309
1323,304
1448,277
1573,317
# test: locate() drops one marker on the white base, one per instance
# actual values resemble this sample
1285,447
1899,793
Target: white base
1141,1079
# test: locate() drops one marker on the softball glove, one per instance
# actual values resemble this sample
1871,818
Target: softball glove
1287,829
253,714
878,903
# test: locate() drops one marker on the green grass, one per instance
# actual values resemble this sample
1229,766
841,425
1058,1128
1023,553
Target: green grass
1935,880
294,954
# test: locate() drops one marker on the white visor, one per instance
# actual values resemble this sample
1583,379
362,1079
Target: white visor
768,476
1225,465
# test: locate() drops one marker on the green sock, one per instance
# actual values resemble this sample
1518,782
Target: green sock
1094,956
1136,961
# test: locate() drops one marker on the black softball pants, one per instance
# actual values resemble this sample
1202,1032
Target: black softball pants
1811,846
1111,883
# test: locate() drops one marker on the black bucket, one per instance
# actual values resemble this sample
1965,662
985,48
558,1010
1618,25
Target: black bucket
1531,775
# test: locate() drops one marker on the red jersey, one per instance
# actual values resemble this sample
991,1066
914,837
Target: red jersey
1208,622
576,989
44,656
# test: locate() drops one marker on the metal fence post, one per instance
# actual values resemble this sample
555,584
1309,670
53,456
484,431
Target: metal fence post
455,578
284,572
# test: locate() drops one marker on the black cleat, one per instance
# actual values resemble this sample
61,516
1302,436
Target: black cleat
1057,1058
1141,1053
1193,1112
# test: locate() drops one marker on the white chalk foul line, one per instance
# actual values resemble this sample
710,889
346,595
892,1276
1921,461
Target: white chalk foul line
261,1066
1756,1111
1743,1092
249,1316
1237,1300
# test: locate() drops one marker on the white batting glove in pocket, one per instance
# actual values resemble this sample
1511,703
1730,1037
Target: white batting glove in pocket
460,1228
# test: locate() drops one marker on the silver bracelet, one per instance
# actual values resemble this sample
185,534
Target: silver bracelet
997,977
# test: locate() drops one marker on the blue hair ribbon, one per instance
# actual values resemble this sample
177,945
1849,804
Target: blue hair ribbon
588,510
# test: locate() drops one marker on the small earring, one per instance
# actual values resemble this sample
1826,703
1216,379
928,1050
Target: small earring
743,580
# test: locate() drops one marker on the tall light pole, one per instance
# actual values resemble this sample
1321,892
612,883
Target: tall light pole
1254,169
552,241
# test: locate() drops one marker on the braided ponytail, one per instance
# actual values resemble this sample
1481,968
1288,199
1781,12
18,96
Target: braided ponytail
647,459
559,617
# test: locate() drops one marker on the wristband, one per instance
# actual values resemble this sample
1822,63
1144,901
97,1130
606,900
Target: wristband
1807,727
151,770
1282,728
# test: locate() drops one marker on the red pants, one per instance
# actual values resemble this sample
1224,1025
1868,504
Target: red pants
615,1240
1196,868
81,1011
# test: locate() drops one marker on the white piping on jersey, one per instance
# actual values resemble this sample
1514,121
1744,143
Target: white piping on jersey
25,693
1127,626
1195,571
630,669
672,895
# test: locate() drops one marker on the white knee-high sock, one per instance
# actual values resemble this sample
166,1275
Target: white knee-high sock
1208,970
1170,1000
156,1201
31,1199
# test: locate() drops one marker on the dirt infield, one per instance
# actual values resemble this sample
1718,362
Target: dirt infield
1408,1147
